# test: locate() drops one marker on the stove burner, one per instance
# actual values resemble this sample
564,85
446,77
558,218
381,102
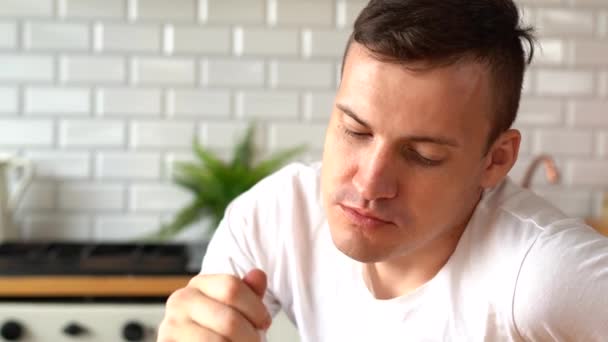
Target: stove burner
99,259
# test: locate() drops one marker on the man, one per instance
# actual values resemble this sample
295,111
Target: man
409,230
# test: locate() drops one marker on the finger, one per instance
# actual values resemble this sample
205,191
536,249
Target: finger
232,291
189,330
256,280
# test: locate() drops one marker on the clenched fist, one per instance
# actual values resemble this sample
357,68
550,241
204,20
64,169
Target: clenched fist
217,307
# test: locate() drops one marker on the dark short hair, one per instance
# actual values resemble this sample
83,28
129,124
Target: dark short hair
443,32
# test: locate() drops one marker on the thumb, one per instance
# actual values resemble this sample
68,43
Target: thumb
256,280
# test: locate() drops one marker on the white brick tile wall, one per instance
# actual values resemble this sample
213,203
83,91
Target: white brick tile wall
602,24
207,40
588,172
8,35
166,10
126,38
603,84
572,202
129,101
122,227
351,9
26,133
267,104
89,133
29,8
318,105
539,112
19,68
56,36
603,144
96,9
48,100
60,165
233,72
93,69
52,227
552,21
223,135
8,99
588,52
161,134
288,74
588,113
312,12
223,11
39,196
564,142
200,103
564,82
157,197
123,165
155,70
265,41
324,43
599,3
91,196
312,135
551,52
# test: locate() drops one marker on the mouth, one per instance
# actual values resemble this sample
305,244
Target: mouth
363,218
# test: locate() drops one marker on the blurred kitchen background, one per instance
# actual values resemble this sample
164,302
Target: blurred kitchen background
104,95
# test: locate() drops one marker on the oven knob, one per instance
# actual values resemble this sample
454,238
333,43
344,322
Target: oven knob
74,329
133,331
11,331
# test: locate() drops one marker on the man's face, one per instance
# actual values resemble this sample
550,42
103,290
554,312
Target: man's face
403,155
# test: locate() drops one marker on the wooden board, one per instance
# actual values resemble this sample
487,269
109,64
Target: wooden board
599,225
97,286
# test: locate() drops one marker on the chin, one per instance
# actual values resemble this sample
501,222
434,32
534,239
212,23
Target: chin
353,243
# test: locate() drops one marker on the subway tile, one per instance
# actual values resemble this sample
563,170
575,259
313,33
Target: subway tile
603,83
59,226
233,72
60,164
225,135
588,172
26,8
550,52
324,43
8,99
585,3
319,105
26,133
125,227
129,101
166,10
574,203
91,196
588,52
262,41
56,36
602,23
161,134
564,82
91,133
93,69
208,40
95,9
267,104
223,11
564,21
128,165
350,11
136,38
47,100
564,142
603,144
540,112
25,68
296,12
38,196
588,113
8,35
291,134
301,74
162,70
203,103
157,197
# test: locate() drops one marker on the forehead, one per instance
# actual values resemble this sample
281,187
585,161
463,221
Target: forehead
416,96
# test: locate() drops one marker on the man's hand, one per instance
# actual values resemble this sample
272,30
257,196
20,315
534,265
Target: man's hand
217,307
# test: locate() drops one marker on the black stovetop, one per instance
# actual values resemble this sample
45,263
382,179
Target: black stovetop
65,258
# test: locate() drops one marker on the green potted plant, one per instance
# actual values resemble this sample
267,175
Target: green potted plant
215,183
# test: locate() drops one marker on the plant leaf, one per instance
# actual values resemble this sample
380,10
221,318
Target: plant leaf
243,153
275,161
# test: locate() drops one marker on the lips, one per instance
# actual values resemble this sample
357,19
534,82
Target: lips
363,218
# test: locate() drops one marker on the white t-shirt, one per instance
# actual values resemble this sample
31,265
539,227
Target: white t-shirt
522,270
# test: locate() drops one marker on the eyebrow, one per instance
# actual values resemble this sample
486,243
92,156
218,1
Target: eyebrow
413,138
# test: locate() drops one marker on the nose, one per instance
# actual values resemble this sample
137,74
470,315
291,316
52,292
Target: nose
376,176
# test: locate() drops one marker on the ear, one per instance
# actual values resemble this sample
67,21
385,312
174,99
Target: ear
500,158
